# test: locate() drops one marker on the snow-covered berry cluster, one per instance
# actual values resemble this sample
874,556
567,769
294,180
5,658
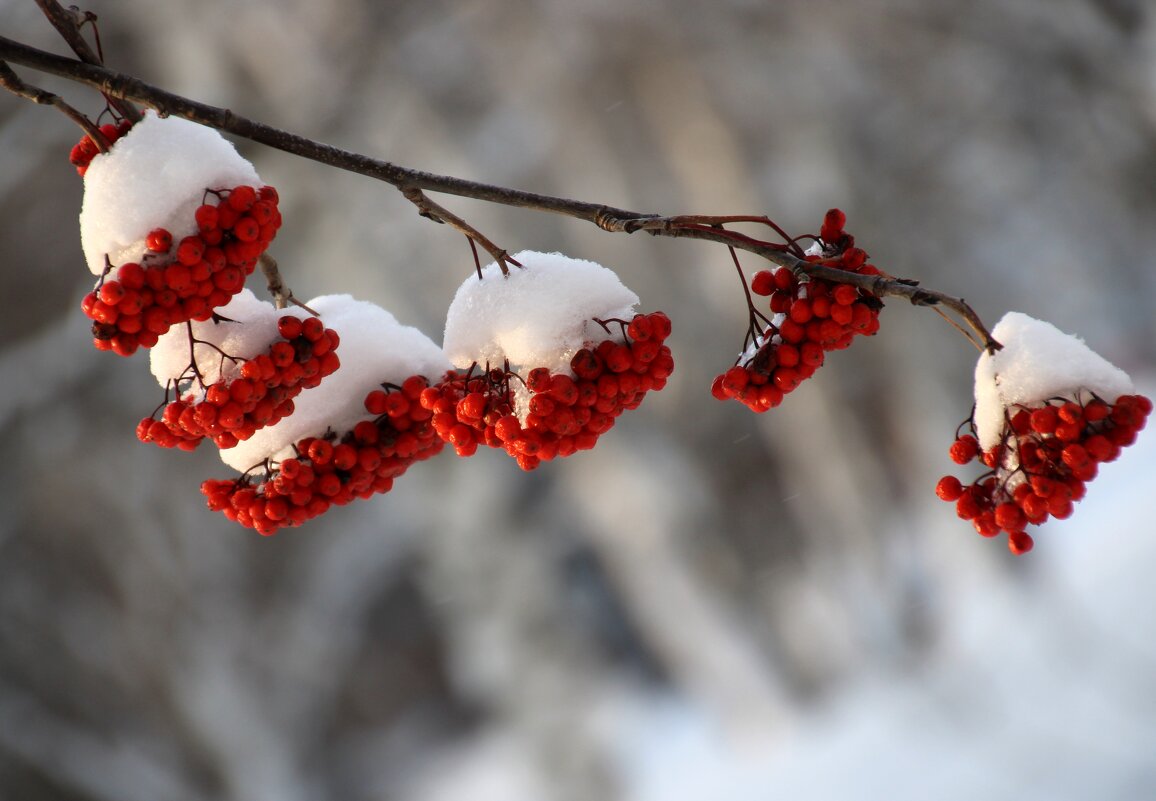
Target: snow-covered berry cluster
811,317
348,436
553,414
1048,412
333,470
173,222
257,394
541,355
187,280
548,356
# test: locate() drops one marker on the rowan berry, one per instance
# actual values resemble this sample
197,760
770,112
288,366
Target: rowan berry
949,488
763,282
964,449
1047,453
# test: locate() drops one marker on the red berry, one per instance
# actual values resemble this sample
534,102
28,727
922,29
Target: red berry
964,449
949,488
159,240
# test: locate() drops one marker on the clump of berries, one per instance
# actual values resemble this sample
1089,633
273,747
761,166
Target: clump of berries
333,469
553,414
811,316
176,282
1046,454
84,151
232,409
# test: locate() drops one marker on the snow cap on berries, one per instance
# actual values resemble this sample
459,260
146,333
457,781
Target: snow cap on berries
375,348
539,314
247,327
155,176
1037,362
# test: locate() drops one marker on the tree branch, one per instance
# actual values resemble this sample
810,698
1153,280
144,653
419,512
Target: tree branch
11,81
413,182
68,23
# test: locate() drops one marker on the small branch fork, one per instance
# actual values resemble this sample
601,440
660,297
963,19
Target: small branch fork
414,184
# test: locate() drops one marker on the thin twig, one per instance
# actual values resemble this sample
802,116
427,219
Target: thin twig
273,281
282,296
12,82
68,23
409,180
427,208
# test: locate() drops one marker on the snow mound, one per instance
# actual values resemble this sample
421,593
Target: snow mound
375,348
155,176
249,329
1037,362
538,315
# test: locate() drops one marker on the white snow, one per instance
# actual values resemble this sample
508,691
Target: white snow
155,176
537,316
1037,362
1038,685
374,348
251,332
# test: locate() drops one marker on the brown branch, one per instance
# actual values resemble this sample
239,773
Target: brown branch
11,81
430,210
282,296
68,23
413,182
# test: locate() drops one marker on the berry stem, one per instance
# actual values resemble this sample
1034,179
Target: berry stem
281,296
414,183
754,330
439,214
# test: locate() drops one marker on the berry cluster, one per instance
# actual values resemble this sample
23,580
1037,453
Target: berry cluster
559,413
332,469
84,151
811,317
1046,455
180,281
232,409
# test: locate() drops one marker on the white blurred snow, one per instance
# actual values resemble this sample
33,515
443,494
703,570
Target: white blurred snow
1043,686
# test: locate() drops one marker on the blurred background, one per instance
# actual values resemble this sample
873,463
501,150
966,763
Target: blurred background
711,604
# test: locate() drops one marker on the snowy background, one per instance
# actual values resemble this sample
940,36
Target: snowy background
708,605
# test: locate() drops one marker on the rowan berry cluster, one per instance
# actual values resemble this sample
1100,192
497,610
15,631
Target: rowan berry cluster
180,281
1047,453
573,355
334,469
811,317
231,409
553,414
84,151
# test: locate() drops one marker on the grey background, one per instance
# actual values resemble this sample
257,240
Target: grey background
710,604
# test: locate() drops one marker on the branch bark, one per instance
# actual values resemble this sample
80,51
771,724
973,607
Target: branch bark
412,183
